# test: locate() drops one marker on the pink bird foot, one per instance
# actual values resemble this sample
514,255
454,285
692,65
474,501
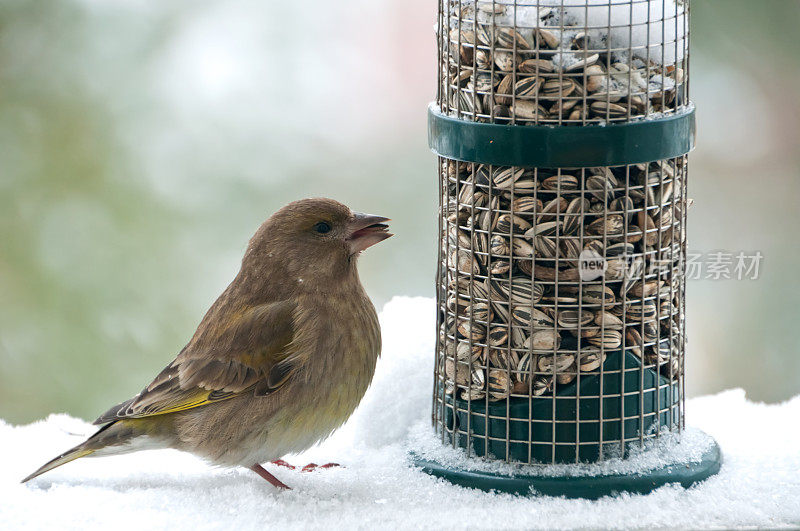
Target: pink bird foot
313,466
275,482
281,462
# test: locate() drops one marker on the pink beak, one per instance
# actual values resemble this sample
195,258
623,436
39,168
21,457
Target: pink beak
365,231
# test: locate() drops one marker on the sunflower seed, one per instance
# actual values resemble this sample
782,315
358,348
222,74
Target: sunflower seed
504,178
464,262
573,214
547,38
551,208
561,182
649,331
485,35
646,289
547,228
472,331
520,291
641,311
508,224
457,372
473,393
528,110
499,246
523,372
543,341
498,336
558,88
545,247
480,311
511,38
501,358
526,204
558,363
500,267
467,353
634,341
526,87
597,294
596,246
498,384
572,319
606,109
612,225
602,187
580,41
483,59
608,321
542,384
536,66
591,359
619,250
609,339
524,317
623,206
583,63
571,251
505,61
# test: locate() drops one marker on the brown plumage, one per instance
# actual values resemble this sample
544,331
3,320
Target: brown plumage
279,361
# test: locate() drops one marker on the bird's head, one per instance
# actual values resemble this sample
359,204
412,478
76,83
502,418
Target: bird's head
315,239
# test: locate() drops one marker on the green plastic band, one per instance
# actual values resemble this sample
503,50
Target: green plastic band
561,146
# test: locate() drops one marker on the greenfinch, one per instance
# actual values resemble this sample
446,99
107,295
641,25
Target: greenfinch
280,360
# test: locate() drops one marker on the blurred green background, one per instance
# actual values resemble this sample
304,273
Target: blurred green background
142,142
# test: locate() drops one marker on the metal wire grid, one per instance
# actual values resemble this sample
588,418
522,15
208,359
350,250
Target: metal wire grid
558,62
493,300
511,238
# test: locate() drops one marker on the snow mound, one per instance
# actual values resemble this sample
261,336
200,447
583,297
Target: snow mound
669,449
758,485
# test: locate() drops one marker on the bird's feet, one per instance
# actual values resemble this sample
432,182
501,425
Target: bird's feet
308,468
275,482
313,466
281,462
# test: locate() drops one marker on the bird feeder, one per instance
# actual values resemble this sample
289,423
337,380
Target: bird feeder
562,129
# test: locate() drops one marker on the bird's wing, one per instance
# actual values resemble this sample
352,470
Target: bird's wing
250,354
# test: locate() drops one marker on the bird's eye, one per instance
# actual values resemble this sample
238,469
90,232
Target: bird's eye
322,228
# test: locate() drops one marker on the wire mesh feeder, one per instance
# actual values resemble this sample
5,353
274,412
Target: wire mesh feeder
561,287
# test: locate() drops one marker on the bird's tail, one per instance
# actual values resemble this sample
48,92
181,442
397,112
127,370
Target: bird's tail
71,455
113,438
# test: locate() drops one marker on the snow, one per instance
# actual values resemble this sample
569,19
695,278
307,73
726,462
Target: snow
758,485
653,29
669,449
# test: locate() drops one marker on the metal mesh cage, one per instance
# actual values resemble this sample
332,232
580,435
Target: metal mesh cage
561,290
562,61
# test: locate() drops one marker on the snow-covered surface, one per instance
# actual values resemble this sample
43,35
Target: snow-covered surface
759,484
669,449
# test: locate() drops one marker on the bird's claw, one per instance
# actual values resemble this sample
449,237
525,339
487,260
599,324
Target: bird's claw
281,462
308,468
313,466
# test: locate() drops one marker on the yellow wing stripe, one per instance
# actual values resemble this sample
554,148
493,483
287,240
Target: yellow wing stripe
203,399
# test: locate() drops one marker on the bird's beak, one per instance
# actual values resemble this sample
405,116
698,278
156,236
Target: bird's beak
365,230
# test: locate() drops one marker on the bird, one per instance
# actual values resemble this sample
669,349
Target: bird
278,363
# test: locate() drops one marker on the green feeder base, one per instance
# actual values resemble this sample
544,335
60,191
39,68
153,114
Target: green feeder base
546,429
624,401
591,487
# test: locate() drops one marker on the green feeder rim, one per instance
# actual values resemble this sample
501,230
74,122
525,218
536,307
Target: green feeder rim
563,146
589,487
